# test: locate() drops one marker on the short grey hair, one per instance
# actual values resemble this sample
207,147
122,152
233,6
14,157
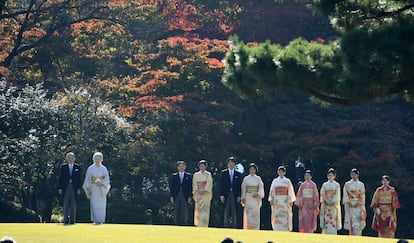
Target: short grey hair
96,155
70,154
180,162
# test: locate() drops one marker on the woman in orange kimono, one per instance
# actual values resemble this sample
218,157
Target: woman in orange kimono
385,203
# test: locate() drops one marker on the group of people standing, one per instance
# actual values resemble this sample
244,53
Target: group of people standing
249,192
96,186
384,204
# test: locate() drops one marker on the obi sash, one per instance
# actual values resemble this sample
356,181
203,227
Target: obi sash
201,184
96,179
330,193
307,193
252,189
281,191
354,194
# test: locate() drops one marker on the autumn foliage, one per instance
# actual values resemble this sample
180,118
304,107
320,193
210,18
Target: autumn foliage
155,66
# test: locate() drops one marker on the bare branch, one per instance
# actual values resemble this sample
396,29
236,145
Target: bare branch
56,23
19,40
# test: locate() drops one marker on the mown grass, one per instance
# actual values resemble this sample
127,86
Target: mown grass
88,233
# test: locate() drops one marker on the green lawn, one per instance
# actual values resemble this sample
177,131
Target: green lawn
24,233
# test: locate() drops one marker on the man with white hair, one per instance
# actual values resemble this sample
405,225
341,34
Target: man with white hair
96,187
69,187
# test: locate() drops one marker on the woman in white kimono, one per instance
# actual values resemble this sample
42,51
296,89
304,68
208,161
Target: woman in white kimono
96,187
354,204
202,194
281,198
252,193
330,213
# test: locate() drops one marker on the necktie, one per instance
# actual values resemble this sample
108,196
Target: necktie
181,178
231,176
70,169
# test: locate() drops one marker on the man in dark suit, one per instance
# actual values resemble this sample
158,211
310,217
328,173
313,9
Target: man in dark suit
69,187
230,193
181,192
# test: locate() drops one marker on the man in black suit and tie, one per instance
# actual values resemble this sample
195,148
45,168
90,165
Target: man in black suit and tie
181,192
69,187
230,193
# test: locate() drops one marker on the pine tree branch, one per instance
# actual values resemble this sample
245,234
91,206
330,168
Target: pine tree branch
392,13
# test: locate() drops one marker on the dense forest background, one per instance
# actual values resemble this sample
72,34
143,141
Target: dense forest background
140,81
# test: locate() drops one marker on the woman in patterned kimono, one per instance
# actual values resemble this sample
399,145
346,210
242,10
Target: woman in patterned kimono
252,193
202,194
330,213
307,200
385,203
281,198
96,187
354,204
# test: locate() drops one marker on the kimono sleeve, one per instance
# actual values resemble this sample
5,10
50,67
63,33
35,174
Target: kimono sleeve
291,192
315,194
395,201
87,182
298,201
106,182
374,202
271,192
209,186
243,188
194,184
362,202
337,198
322,194
345,197
261,188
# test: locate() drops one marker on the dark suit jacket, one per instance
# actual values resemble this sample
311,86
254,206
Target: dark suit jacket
225,183
65,177
186,187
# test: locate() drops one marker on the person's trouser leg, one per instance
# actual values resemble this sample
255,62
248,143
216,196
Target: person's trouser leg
230,212
233,208
67,204
72,207
180,210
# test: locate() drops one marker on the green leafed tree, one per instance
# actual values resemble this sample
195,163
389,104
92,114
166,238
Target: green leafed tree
372,58
37,131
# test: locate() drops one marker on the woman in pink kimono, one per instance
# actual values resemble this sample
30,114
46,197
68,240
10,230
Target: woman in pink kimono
307,200
281,198
252,193
330,215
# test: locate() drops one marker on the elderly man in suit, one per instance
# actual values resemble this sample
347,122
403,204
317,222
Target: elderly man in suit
230,193
181,192
69,187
